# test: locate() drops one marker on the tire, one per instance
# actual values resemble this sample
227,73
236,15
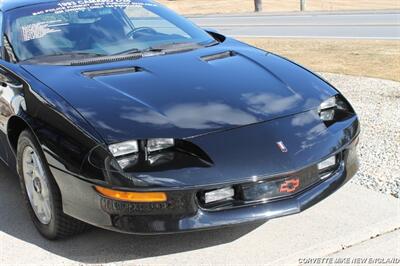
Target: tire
49,219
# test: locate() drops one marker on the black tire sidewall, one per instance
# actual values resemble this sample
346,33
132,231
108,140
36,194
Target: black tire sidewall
26,139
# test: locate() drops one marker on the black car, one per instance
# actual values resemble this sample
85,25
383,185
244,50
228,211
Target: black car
123,115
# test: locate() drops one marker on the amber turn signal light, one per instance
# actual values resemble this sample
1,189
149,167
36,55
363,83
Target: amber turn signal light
132,196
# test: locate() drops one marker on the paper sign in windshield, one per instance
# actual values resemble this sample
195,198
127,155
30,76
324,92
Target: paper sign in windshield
38,30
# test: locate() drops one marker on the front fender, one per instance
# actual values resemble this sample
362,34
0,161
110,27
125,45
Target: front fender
64,135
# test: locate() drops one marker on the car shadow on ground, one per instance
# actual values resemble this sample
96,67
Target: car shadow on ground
97,245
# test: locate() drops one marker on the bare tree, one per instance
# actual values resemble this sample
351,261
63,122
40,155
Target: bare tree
258,5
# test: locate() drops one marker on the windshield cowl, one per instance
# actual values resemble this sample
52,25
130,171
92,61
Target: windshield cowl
74,59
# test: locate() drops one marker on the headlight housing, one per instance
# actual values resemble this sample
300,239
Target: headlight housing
131,147
151,154
122,162
127,153
334,109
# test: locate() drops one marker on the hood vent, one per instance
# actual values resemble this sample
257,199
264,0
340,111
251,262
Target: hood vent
218,56
113,71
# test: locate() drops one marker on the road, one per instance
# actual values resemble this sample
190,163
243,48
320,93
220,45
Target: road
356,25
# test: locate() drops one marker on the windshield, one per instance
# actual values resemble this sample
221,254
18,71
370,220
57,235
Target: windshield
96,28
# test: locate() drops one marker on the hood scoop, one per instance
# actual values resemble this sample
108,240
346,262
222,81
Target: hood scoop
110,72
213,57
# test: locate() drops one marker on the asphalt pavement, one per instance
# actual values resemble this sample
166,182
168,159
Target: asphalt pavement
353,25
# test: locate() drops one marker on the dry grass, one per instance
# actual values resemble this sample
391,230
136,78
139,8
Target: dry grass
237,6
380,58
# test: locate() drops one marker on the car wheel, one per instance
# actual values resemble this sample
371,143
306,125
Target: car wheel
41,193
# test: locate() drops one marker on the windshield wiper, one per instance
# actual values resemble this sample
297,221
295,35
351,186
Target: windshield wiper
176,46
165,49
130,51
76,53
137,51
39,58
212,43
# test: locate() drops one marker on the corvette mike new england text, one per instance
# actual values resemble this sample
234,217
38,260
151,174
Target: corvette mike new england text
350,261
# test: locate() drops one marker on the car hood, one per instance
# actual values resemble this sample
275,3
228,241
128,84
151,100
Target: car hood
185,94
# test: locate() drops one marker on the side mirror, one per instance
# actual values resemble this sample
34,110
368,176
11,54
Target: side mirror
215,34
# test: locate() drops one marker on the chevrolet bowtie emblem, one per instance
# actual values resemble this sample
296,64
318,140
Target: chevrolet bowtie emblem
282,146
290,185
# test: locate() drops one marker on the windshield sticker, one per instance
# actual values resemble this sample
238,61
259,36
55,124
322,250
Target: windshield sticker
82,5
39,30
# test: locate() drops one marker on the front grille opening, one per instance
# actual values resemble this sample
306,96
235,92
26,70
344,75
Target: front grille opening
273,189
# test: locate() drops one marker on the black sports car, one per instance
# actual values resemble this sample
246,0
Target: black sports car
124,115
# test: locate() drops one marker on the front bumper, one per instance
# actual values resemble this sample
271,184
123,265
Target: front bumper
183,212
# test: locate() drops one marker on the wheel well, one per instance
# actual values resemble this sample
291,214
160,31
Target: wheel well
14,128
